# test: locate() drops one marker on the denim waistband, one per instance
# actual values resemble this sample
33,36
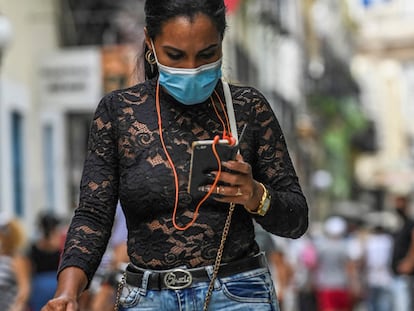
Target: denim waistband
180,278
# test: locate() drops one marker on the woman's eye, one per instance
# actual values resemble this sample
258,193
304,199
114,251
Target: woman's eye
174,56
207,55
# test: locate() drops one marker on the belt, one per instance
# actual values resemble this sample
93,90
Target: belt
181,278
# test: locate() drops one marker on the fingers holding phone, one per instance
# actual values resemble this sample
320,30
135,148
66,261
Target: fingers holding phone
235,183
204,162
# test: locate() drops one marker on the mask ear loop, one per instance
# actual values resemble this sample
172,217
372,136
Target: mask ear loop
171,163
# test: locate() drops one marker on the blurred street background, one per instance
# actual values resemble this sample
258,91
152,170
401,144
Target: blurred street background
338,73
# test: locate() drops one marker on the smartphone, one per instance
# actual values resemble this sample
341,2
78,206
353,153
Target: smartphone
203,161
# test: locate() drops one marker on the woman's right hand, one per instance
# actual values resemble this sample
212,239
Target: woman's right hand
61,303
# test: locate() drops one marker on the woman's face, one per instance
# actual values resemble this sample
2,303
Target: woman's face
186,43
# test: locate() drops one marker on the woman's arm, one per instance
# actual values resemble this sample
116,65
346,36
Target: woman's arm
287,215
406,265
265,180
92,222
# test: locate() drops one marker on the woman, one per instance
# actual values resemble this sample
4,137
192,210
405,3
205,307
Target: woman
14,275
139,152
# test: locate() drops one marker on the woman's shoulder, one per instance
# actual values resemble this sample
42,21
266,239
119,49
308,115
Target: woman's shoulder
115,101
249,97
247,92
135,93
239,86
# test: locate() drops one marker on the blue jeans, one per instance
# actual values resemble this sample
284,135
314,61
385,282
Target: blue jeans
403,291
251,290
379,299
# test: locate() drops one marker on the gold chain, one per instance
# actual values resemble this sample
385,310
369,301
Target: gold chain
121,285
218,257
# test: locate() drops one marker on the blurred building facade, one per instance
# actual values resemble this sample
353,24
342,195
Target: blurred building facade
360,56
333,101
63,57
384,66
21,178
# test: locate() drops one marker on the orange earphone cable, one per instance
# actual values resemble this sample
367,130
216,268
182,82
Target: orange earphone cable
219,117
214,149
205,197
157,104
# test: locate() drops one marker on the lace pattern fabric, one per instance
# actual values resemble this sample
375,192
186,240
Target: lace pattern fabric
126,161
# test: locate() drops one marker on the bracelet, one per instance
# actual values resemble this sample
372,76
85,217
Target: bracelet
264,203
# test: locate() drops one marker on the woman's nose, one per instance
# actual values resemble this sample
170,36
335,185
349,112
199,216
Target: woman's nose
191,63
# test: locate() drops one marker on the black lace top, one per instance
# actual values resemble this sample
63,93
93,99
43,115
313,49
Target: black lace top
126,161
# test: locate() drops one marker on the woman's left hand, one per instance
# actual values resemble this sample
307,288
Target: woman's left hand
240,186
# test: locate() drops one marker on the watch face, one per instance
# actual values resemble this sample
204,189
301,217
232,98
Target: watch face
265,206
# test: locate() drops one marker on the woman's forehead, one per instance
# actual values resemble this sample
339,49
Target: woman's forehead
183,31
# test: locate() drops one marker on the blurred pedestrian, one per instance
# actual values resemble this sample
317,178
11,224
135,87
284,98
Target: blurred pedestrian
304,259
280,268
355,236
377,265
403,257
332,273
283,276
139,152
14,276
44,257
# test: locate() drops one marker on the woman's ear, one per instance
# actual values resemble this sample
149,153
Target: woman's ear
147,39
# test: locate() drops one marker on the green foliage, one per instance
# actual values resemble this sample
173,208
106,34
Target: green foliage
339,119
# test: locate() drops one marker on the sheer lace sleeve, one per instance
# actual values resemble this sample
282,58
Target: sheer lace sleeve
93,219
272,165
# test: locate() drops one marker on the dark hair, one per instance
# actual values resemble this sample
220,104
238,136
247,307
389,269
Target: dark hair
158,12
47,223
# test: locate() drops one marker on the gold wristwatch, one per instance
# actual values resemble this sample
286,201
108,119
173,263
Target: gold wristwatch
264,203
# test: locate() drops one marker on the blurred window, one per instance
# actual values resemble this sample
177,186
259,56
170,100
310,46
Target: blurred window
49,163
17,161
77,141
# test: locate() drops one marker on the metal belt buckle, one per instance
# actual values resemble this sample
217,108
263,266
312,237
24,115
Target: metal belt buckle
178,279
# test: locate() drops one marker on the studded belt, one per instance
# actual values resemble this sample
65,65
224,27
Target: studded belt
181,278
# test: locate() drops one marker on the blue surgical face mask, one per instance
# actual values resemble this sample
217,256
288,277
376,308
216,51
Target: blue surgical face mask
189,86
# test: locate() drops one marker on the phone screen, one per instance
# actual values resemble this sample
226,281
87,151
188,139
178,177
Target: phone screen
203,161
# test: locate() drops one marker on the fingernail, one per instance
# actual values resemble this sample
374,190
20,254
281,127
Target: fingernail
210,175
203,188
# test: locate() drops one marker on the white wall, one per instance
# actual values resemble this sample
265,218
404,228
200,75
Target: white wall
69,80
278,59
34,33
